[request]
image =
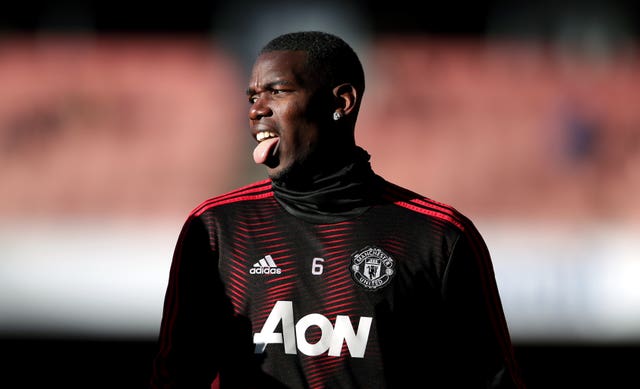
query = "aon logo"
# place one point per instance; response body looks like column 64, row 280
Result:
column 293, row 336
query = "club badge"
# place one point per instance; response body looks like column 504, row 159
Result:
column 372, row 268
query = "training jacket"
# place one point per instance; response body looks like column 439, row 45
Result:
column 401, row 294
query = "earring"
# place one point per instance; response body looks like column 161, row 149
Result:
column 337, row 115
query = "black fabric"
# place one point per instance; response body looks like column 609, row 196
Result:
column 334, row 196
column 427, row 322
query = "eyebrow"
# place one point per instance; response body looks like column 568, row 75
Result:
column 270, row 85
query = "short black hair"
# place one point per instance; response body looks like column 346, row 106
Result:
column 328, row 56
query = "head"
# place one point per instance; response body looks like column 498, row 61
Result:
column 304, row 92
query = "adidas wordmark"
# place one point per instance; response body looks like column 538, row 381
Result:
column 265, row 266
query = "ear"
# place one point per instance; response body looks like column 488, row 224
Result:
column 346, row 98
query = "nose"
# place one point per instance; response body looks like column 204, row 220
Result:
column 259, row 109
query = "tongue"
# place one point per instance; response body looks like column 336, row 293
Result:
column 264, row 149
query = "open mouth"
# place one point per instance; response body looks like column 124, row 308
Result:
column 267, row 147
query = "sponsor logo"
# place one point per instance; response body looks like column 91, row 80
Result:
column 372, row 268
column 293, row 339
column 265, row 266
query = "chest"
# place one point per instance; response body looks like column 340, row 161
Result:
column 352, row 266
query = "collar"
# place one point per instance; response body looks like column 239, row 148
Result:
column 331, row 197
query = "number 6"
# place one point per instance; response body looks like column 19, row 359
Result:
column 316, row 266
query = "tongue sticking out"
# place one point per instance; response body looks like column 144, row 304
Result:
column 265, row 149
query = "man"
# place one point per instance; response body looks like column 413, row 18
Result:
column 325, row 275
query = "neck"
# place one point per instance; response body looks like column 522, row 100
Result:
column 312, row 172
column 336, row 192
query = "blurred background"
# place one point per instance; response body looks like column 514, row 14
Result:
column 117, row 119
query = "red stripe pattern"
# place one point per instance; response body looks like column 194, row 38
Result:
column 309, row 267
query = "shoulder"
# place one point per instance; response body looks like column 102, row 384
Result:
column 414, row 202
column 255, row 191
column 443, row 217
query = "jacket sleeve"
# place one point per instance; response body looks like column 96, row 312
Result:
column 193, row 313
column 474, row 308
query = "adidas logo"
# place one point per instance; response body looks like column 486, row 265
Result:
column 265, row 266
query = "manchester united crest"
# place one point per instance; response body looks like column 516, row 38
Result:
column 372, row 268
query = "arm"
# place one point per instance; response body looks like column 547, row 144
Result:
column 477, row 318
column 191, row 316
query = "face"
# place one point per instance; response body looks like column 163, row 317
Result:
column 285, row 113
